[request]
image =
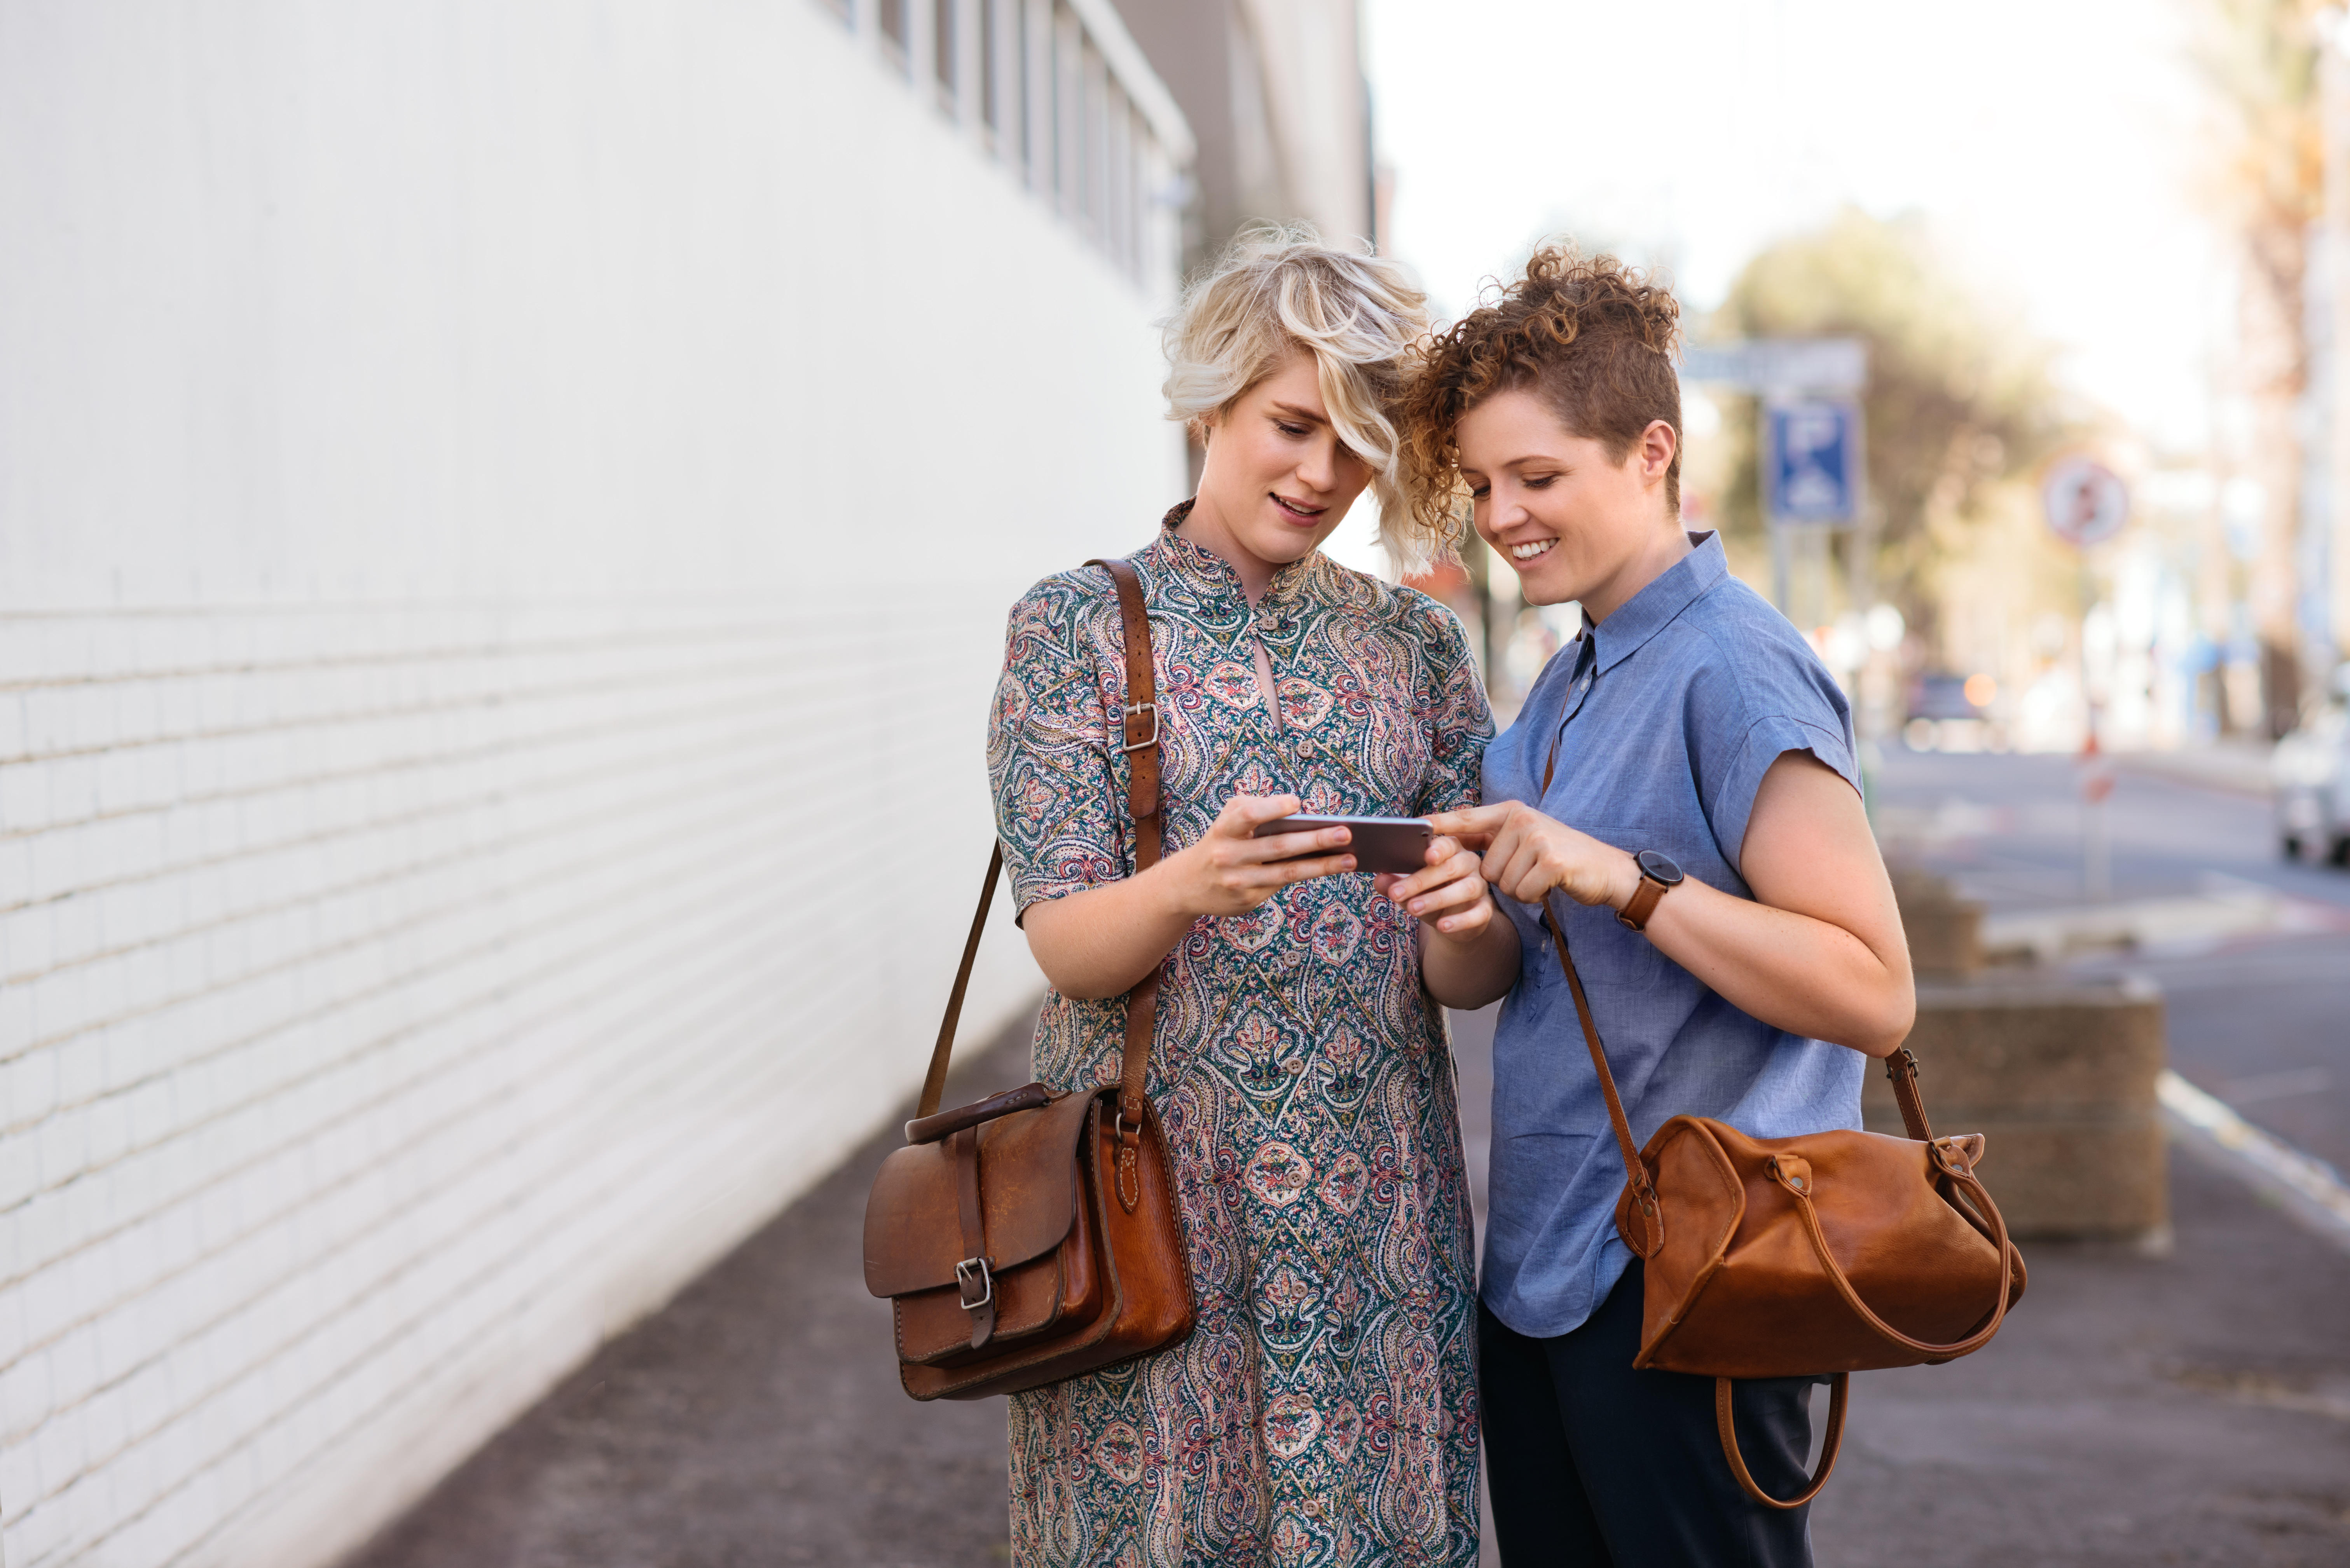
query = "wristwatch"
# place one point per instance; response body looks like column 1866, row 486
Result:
column 1659, row 876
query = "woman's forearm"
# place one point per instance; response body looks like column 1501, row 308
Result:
column 1469, row 974
column 1102, row 941
column 1804, row 975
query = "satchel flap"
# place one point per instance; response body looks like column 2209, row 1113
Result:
column 1027, row 1195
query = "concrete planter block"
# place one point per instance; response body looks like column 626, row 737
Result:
column 2060, row 1080
column 1945, row 930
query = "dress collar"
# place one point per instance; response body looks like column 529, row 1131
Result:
column 1211, row 574
column 1652, row 610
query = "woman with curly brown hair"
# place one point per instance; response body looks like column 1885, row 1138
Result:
column 1324, row 1408
column 1683, row 772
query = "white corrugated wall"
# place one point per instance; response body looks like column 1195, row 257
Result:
column 505, row 520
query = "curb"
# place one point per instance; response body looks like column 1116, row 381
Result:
column 2237, row 771
column 2305, row 1186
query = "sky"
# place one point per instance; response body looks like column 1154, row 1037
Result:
column 2052, row 143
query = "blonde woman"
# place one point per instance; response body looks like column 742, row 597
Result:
column 1324, row 1409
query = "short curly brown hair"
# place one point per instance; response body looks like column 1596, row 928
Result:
column 1592, row 337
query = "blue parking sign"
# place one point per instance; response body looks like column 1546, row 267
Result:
column 1811, row 465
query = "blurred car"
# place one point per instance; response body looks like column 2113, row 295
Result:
column 2311, row 774
column 1941, row 695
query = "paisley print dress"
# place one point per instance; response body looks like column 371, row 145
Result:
column 1324, row 1411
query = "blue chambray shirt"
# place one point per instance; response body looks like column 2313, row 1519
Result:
column 1672, row 711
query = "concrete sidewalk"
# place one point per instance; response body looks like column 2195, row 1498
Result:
column 2193, row 1408
column 754, row 1422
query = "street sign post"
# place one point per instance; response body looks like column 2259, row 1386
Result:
column 2086, row 503
column 1812, row 484
column 1772, row 365
column 1811, row 465
column 1809, row 452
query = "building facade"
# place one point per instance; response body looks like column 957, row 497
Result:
column 506, row 515
column 1274, row 92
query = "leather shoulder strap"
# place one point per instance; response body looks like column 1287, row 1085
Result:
column 1140, row 743
column 934, row 1082
column 1141, row 747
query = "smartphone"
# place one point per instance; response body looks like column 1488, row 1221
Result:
column 1395, row 844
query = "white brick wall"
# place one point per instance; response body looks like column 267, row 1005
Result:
column 505, row 520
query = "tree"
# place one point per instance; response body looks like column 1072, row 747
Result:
column 1960, row 397
column 2265, row 181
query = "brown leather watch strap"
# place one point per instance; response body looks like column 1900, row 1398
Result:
column 1642, row 903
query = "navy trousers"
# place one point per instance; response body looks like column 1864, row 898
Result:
column 1593, row 1465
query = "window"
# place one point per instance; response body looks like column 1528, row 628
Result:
column 991, row 60
column 1032, row 83
column 1069, row 112
column 1036, row 90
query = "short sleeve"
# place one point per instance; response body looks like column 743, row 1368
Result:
column 1461, row 722
column 1058, row 807
column 1767, row 739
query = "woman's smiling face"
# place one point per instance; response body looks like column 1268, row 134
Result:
column 1574, row 522
column 1277, row 478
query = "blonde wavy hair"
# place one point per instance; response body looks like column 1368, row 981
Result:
column 1279, row 290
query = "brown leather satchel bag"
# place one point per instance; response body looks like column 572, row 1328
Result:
column 1033, row 1235
column 1791, row 1257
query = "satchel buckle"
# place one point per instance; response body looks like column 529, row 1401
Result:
column 1645, row 1193
column 968, row 1270
column 1902, row 1063
column 1132, row 710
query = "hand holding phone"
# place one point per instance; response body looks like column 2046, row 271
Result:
column 1396, row 844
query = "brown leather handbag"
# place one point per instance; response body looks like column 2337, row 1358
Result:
column 1032, row 1236
column 1791, row 1257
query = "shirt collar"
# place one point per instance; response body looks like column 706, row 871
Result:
column 1211, row 575
column 1652, row 610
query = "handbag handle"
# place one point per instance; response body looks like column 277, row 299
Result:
column 1141, row 746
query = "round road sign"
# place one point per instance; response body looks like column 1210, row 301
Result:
column 2087, row 502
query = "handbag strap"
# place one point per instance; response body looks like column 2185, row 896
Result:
column 1636, row 1173
column 934, row 1082
column 1726, row 1424
column 1142, row 748
column 1140, row 744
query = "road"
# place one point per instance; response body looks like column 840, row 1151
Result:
column 2260, row 1018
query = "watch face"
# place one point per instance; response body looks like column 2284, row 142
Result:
column 1658, row 868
